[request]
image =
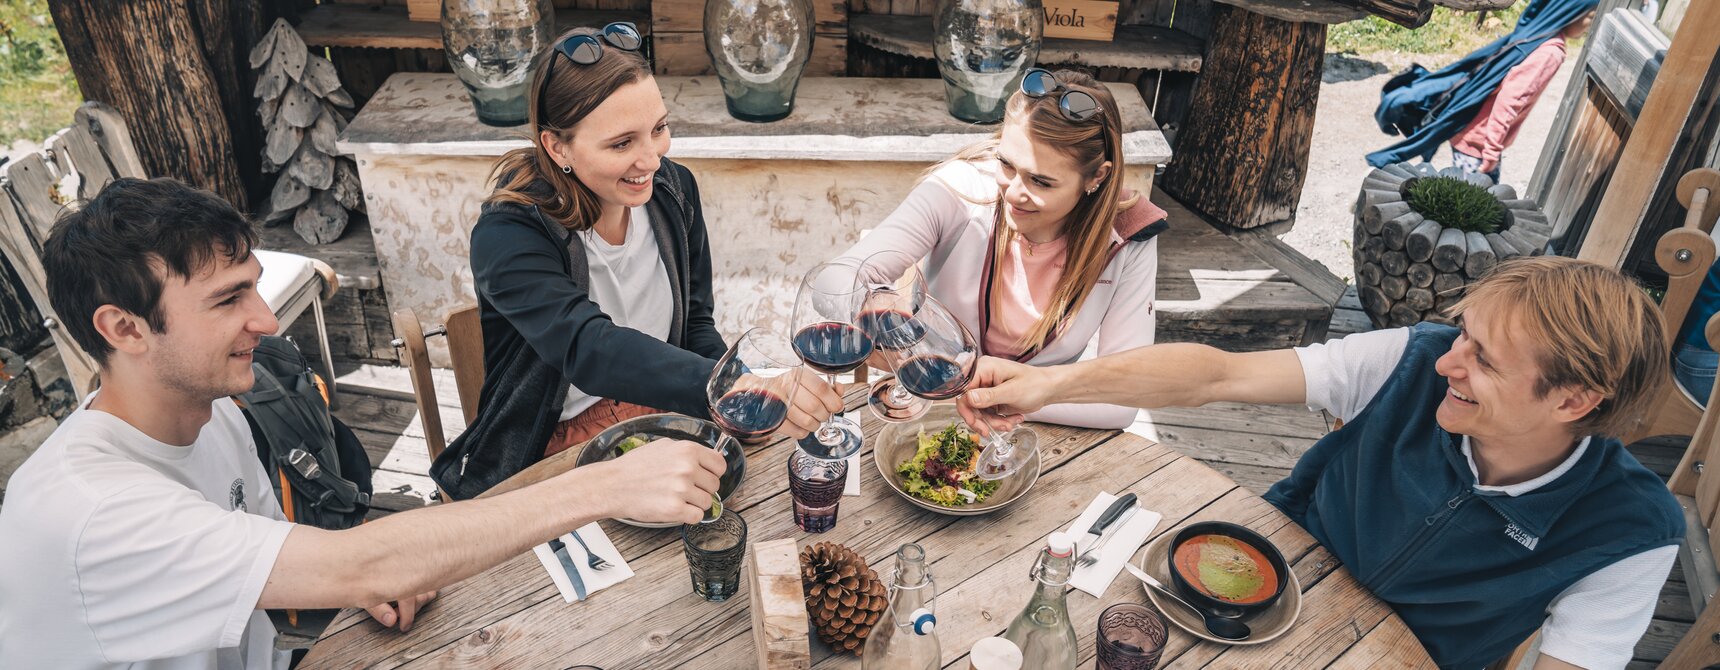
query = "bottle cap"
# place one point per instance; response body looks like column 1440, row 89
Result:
column 925, row 623
column 1060, row 544
column 995, row 653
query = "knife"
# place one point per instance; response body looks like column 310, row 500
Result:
column 1107, row 518
column 567, row 565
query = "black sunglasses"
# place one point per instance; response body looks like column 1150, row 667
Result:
column 585, row 49
column 1077, row 106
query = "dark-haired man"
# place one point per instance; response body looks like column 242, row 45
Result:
column 144, row 533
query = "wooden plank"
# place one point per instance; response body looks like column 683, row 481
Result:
column 778, row 606
column 34, row 185
column 389, row 27
column 86, row 157
column 1388, row 645
column 1547, row 167
column 1306, row 272
column 1286, row 421
column 1663, row 124
column 1144, row 47
column 1305, row 11
column 1257, row 479
column 1272, row 451
column 114, row 136
column 1094, row 20
column 1626, row 57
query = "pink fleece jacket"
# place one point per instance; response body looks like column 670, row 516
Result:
column 947, row 222
column 1495, row 126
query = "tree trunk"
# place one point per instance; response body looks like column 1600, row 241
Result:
column 177, row 71
column 1242, row 154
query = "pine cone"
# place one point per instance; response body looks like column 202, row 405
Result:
column 843, row 596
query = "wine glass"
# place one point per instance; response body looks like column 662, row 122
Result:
column 752, row 386
column 827, row 339
column 894, row 289
column 940, row 366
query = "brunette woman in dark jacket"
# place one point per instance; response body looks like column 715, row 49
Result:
column 593, row 272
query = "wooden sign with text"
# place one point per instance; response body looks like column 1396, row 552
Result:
column 1080, row 19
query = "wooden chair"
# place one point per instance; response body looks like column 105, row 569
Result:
column 1685, row 254
column 75, row 164
column 465, row 348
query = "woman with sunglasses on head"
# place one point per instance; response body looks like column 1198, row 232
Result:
column 1030, row 239
column 592, row 269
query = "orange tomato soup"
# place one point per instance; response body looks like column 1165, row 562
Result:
column 1226, row 568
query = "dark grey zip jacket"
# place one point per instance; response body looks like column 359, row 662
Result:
column 543, row 332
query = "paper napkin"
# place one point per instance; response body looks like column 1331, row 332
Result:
column 1097, row 577
column 594, row 580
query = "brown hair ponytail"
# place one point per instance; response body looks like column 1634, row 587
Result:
column 557, row 106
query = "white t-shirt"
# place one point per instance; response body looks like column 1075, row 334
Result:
column 630, row 284
column 1596, row 622
column 119, row 551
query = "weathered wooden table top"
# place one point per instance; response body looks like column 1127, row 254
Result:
column 512, row 615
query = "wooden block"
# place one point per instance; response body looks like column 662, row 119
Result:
column 1369, row 274
column 1400, row 170
column 1421, row 240
column 1376, row 215
column 1442, row 302
column 1394, row 286
column 1501, row 249
column 779, row 623
column 1503, row 191
column 1373, row 195
column 1094, row 20
column 1374, row 301
column 1424, row 169
column 1418, row 299
column 1451, row 173
column 1481, row 257
column 1385, row 183
column 1420, row 275
column 1396, row 230
column 424, row 10
column 1449, row 254
column 1446, row 283
column 1522, row 243
column 1520, row 203
column 1401, row 315
column 1394, row 262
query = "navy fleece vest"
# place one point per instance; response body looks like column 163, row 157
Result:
column 1472, row 574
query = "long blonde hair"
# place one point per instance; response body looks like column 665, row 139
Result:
column 1090, row 143
column 572, row 92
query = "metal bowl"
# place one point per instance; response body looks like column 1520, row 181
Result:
column 677, row 427
column 897, row 443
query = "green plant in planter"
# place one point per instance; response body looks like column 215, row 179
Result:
column 1456, row 204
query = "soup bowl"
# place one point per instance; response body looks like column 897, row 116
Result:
column 1185, row 583
column 607, row 445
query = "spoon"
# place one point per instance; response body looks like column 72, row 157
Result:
column 1229, row 629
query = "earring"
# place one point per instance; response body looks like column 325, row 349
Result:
column 568, row 169
column 1091, row 189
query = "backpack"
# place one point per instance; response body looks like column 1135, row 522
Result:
column 319, row 469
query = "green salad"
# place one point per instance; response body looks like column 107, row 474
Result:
column 942, row 469
column 632, row 442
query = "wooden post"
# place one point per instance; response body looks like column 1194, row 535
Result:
column 1662, row 125
column 779, row 626
column 1242, row 154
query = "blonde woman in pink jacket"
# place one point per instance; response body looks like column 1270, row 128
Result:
column 1030, row 239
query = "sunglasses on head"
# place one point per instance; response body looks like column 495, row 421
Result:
column 1075, row 105
column 586, row 49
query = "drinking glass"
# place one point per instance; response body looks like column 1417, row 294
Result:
column 714, row 553
column 1131, row 637
column 940, row 365
column 827, row 339
column 815, row 485
column 894, row 289
column 752, row 386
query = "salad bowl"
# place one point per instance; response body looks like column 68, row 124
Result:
column 898, row 443
column 616, row 439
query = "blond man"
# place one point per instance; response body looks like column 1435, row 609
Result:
column 1474, row 485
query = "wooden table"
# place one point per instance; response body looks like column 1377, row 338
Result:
column 512, row 616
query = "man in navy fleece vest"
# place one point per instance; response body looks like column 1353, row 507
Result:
column 1475, row 485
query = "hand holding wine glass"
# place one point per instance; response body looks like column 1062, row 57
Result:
column 1001, row 394
column 753, row 386
column 827, row 339
column 895, row 289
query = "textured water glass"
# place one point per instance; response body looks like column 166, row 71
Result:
column 816, row 486
column 714, row 553
column 1131, row 637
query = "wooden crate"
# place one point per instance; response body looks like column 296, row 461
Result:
column 678, row 40
column 424, row 10
column 1081, row 19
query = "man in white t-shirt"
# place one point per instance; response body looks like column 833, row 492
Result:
column 144, row 534
column 1474, row 485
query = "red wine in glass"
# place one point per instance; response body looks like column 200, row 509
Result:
column 832, row 347
column 749, row 414
column 890, row 329
column 934, row 377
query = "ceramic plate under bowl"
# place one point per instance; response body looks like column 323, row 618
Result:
column 673, row 426
column 1264, row 627
column 897, row 443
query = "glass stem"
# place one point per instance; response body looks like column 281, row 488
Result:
column 828, row 433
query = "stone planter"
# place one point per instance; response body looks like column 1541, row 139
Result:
column 1410, row 268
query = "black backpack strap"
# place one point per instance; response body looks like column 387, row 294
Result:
column 271, row 403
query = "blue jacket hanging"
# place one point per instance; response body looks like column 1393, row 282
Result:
column 1428, row 108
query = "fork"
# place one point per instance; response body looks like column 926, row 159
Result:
column 591, row 557
column 1091, row 555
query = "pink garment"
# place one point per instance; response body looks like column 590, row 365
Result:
column 1495, row 126
column 1029, row 279
column 946, row 222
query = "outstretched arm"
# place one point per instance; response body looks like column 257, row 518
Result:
column 1162, row 375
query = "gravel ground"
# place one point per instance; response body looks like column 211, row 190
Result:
column 1344, row 131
